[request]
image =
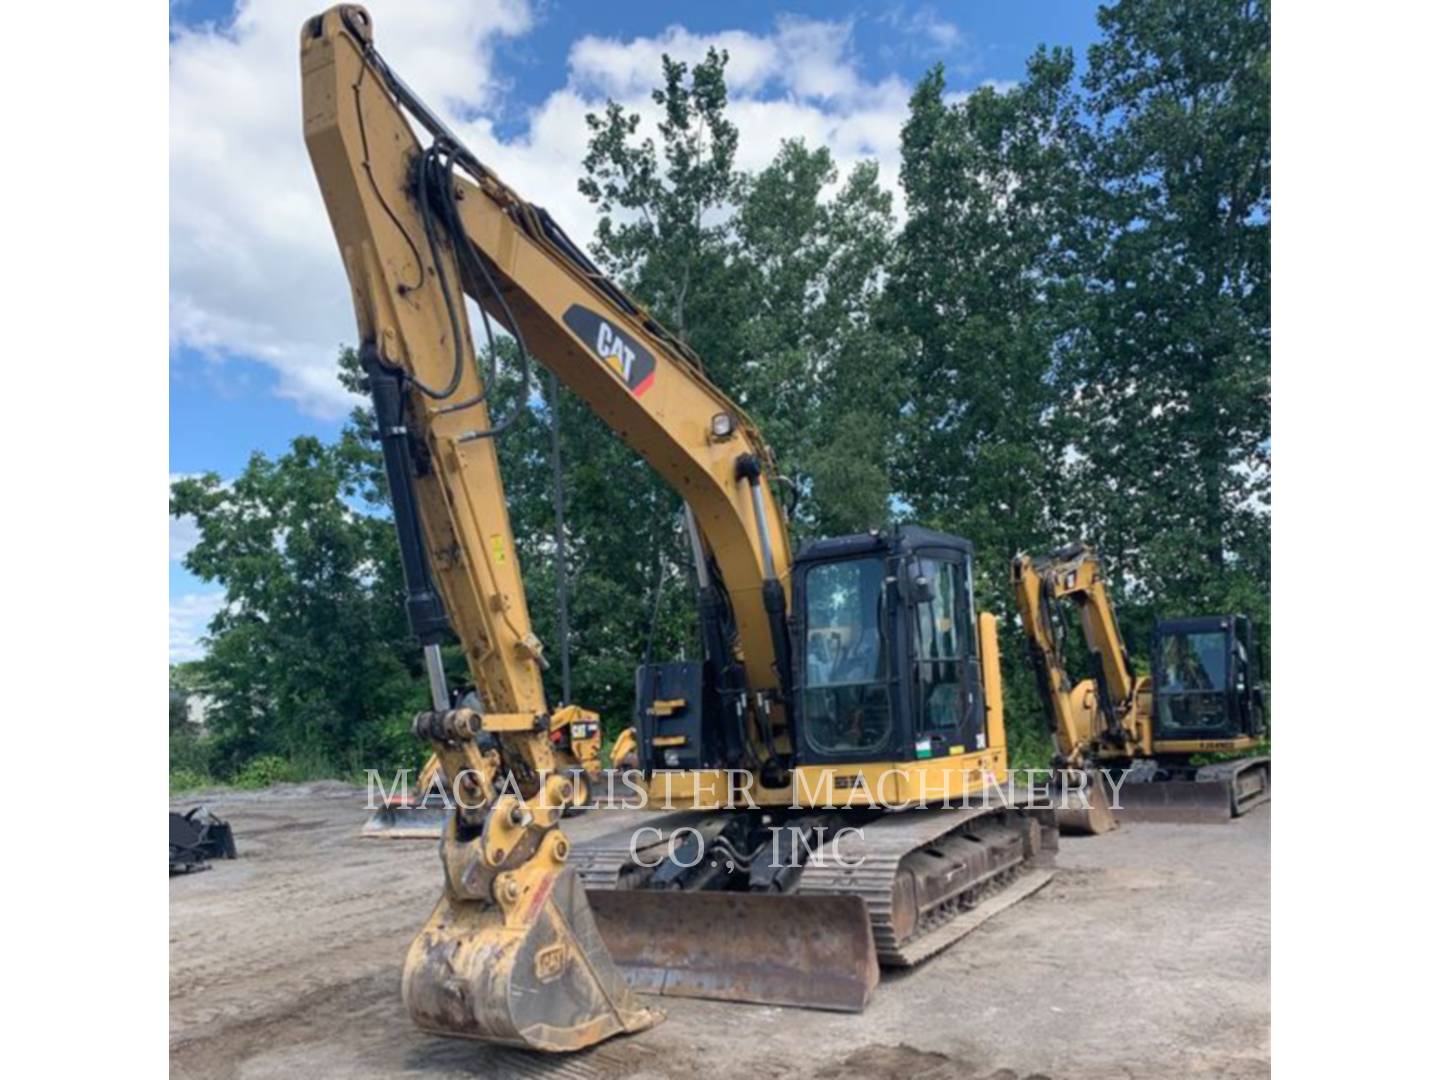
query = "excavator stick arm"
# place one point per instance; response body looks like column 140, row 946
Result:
column 511, row 953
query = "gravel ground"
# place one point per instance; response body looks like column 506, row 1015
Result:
column 1148, row 955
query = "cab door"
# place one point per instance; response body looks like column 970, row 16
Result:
column 948, row 703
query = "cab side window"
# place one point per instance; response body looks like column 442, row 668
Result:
column 940, row 648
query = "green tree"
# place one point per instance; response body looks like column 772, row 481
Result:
column 1067, row 339
column 189, row 759
column 310, row 658
column 663, row 234
column 663, row 231
column 772, row 284
column 816, row 371
column 983, row 292
column 983, row 285
column 620, row 525
column 1170, row 414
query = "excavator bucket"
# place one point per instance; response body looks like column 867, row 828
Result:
column 1084, row 813
column 816, row 952
column 1082, row 807
column 542, row 981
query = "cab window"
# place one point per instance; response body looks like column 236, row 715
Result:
column 846, row 697
column 940, row 648
column 1190, row 684
column 1193, row 662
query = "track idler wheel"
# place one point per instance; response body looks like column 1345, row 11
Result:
column 536, row 975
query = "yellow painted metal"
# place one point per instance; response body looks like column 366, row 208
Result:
column 1075, row 574
column 1207, row 746
column 1082, row 736
column 994, row 687
column 522, row 972
column 362, row 146
column 1084, row 810
column 358, row 143
column 428, row 773
column 584, row 753
column 890, row 784
column 510, row 954
column 512, row 722
column 955, row 777
column 625, row 752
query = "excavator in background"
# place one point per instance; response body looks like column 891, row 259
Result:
column 1124, row 743
column 837, row 685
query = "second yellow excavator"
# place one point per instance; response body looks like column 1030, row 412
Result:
column 832, row 760
column 1125, row 743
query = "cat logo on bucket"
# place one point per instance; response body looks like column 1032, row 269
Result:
column 550, row 962
column 622, row 354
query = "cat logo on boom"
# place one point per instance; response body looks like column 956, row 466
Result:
column 622, row 354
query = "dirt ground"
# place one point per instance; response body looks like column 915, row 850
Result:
column 1148, row 955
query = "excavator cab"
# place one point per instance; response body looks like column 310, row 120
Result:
column 887, row 663
column 1204, row 679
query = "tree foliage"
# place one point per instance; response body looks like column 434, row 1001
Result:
column 1169, row 375
column 1064, row 335
column 310, row 658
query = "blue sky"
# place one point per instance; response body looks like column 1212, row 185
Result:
column 258, row 300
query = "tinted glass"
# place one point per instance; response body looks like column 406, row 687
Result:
column 847, row 704
column 940, row 648
column 1190, row 684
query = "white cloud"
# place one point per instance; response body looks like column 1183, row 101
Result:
column 253, row 266
column 940, row 32
column 184, row 535
column 254, row 270
column 930, row 34
column 190, row 615
column 806, row 58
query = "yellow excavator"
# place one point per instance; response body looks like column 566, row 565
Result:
column 1125, row 743
column 838, row 686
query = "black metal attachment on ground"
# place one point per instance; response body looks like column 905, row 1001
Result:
column 196, row 837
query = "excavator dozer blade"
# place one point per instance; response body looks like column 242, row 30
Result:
column 815, row 952
column 1218, row 793
column 1179, row 802
column 408, row 817
column 542, row 981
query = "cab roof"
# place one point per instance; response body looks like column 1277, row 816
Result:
column 901, row 540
